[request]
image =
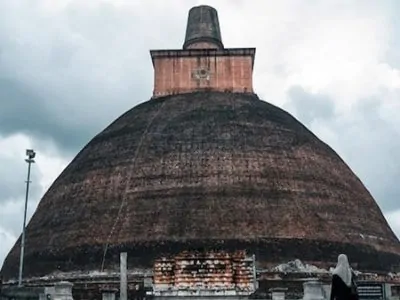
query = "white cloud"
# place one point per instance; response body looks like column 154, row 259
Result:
column 50, row 165
column 394, row 220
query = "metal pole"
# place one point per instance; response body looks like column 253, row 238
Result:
column 254, row 272
column 30, row 160
column 123, row 291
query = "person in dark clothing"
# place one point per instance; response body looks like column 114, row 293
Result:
column 343, row 283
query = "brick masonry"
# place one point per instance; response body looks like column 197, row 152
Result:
column 186, row 71
column 205, row 171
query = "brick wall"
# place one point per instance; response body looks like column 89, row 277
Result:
column 185, row 71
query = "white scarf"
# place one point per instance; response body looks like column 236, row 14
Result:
column 343, row 269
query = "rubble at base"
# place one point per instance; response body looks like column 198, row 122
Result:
column 297, row 266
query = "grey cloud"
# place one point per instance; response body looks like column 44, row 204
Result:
column 364, row 139
column 66, row 77
column 22, row 110
column 310, row 107
column 376, row 154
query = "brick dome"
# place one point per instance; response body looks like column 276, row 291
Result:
column 206, row 170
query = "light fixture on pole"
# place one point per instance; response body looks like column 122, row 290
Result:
column 31, row 155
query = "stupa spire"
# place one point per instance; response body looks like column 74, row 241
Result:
column 204, row 64
column 203, row 29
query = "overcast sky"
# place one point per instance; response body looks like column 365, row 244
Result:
column 70, row 67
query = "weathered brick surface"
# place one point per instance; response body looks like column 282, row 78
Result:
column 205, row 170
column 180, row 71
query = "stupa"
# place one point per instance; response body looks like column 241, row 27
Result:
column 203, row 171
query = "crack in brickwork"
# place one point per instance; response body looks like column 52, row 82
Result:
column 133, row 163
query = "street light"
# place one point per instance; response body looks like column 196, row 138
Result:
column 31, row 155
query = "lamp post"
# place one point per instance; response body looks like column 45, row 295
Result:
column 31, row 155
